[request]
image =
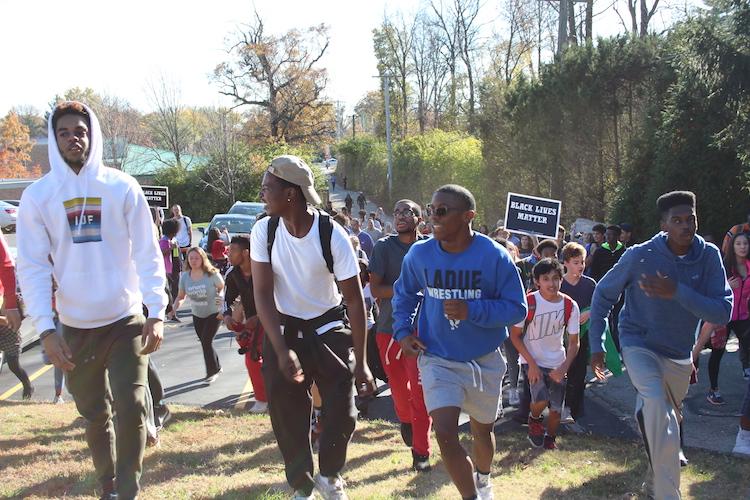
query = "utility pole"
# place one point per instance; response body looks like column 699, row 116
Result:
column 386, row 83
column 354, row 127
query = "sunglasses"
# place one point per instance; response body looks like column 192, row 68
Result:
column 404, row 213
column 441, row 211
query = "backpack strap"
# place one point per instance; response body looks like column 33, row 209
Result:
column 273, row 225
column 325, row 229
column 568, row 309
column 531, row 300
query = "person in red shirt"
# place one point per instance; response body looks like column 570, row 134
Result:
column 10, row 322
column 218, row 248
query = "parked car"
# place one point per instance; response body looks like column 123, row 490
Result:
column 13, row 202
column 8, row 216
column 247, row 208
column 236, row 224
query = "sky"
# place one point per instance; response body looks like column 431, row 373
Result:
column 118, row 47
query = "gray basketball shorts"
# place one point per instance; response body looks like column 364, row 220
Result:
column 546, row 389
column 474, row 386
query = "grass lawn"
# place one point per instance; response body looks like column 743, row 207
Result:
column 210, row 454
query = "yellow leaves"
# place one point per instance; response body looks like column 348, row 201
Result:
column 15, row 149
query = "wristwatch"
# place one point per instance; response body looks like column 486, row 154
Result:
column 47, row 333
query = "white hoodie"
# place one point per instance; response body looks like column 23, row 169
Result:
column 106, row 263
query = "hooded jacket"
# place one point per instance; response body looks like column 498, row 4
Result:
column 95, row 226
column 665, row 326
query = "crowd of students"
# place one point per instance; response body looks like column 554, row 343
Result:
column 456, row 310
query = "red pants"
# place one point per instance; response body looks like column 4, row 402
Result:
column 406, row 391
column 256, row 377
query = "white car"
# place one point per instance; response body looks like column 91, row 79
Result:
column 247, row 208
column 235, row 224
column 8, row 216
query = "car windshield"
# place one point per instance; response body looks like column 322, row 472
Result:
column 234, row 224
column 247, row 209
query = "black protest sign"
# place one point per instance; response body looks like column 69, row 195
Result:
column 156, row 196
column 532, row 215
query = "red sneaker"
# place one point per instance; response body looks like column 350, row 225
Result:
column 549, row 443
column 536, row 431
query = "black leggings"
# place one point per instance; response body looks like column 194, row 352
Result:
column 741, row 328
column 15, row 367
column 206, row 329
column 714, row 362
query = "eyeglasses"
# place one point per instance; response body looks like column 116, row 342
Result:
column 441, row 211
column 404, row 213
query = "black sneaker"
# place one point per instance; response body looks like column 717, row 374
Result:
column 536, row 431
column 406, row 433
column 28, row 391
column 683, row 459
column 420, row 463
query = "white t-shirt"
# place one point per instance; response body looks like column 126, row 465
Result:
column 302, row 286
column 183, row 231
column 544, row 336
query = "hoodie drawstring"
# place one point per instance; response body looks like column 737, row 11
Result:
column 83, row 206
column 472, row 365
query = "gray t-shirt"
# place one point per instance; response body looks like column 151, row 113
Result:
column 387, row 256
column 202, row 293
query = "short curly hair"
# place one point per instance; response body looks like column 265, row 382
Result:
column 70, row 108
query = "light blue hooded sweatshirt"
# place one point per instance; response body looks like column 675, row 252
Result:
column 667, row 327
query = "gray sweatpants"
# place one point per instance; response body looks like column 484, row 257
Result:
column 661, row 384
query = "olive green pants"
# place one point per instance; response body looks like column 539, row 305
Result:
column 110, row 372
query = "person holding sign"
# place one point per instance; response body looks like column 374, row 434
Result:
column 472, row 293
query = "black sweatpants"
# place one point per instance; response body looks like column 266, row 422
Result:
column 328, row 360
column 206, row 329
column 577, row 379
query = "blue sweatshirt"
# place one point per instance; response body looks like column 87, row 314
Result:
column 483, row 275
column 666, row 327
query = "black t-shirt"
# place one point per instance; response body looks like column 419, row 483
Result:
column 581, row 293
column 387, row 256
column 239, row 286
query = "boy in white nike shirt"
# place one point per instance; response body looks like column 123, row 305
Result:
column 539, row 340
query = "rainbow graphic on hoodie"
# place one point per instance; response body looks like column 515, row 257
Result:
column 85, row 220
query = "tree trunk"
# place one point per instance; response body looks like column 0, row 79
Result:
column 615, row 122
column 589, row 20
column 572, row 39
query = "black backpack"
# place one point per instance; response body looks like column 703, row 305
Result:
column 325, row 230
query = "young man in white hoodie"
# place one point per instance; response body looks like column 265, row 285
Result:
column 71, row 226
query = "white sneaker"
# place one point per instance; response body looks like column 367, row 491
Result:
column 483, row 485
column 742, row 444
column 566, row 417
column 330, row 488
column 58, row 400
column 259, row 407
column 513, row 398
column 300, row 495
column 212, row 378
